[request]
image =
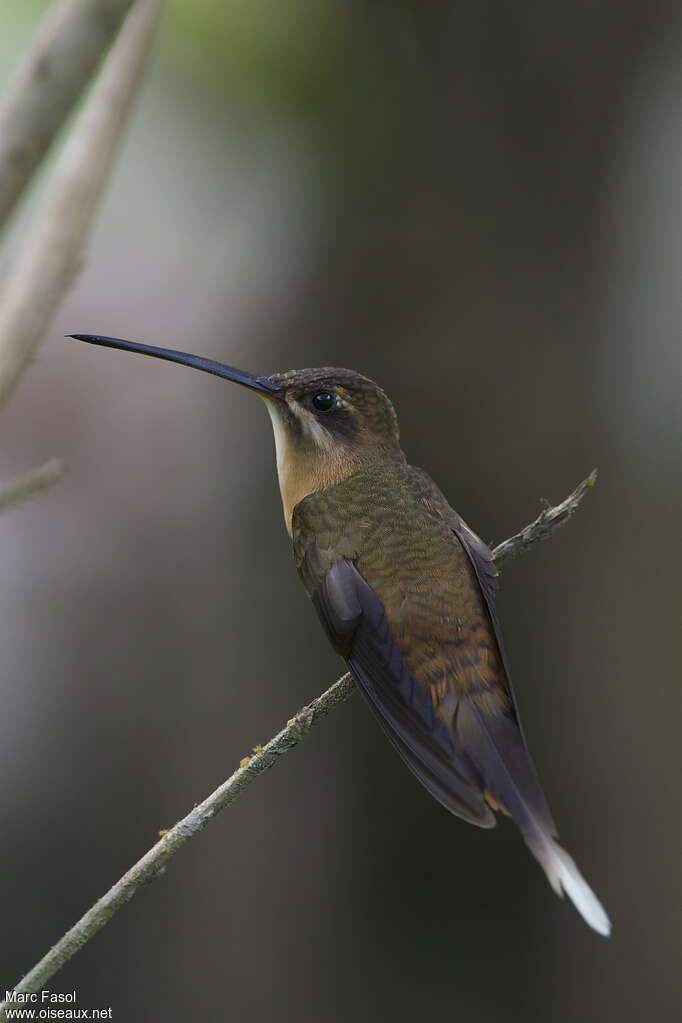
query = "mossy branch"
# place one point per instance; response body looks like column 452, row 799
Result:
column 152, row 863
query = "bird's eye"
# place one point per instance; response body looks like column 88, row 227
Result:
column 323, row 401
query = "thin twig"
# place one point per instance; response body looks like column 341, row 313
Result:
column 52, row 252
column 152, row 863
column 46, row 83
column 30, row 483
column 549, row 519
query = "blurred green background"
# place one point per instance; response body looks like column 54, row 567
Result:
column 480, row 206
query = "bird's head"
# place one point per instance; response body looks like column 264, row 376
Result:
column 322, row 409
column 328, row 423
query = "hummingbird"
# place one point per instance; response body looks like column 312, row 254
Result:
column 405, row 592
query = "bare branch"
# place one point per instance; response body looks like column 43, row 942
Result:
column 46, row 83
column 549, row 519
column 52, row 252
column 152, row 863
column 30, row 483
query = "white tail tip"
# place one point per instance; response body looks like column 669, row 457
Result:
column 564, row 876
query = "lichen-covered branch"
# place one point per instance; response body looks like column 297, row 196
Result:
column 52, row 251
column 30, row 483
column 149, row 867
column 46, row 83
column 262, row 758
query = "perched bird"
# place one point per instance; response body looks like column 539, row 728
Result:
column 405, row 592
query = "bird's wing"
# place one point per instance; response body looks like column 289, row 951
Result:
column 355, row 621
column 483, row 564
column 492, row 733
column 494, row 741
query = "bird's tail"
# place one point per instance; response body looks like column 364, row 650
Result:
column 496, row 748
column 564, row 877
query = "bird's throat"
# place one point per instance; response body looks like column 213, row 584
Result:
column 307, row 466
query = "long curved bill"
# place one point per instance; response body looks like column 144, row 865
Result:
column 238, row 376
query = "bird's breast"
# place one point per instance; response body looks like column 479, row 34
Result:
column 396, row 531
